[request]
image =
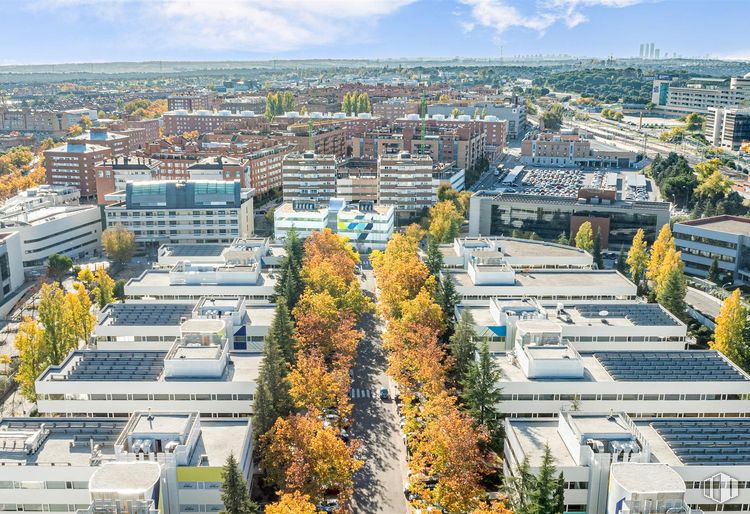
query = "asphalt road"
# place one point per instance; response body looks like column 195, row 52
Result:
column 703, row 302
column 379, row 484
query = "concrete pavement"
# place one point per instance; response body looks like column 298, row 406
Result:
column 379, row 484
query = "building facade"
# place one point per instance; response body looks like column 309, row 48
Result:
column 406, row 182
column 727, row 128
column 74, row 164
column 309, row 176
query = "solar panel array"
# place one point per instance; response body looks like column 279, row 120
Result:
column 118, row 366
column 684, row 366
column 152, row 314
column 187, row 250
column 707, row 441
column 642, row 314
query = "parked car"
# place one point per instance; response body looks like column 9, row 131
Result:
column 384, row 393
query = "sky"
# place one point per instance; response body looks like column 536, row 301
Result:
column 60, row 31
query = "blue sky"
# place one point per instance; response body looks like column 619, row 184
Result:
column 54, row 31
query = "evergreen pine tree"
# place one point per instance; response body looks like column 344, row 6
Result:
column 562, row 239
column 558, row 503
column 597, row 251
column 294, row 247
column 622, row 265
column 234, row 492
column 481, row 393
column 546, row 483
column 447, row 297
column 289, row 285
column 272, row 388
column 713, row 272
column 462, row 344
column 282, row 329
column 672, row 295
column 433, row 258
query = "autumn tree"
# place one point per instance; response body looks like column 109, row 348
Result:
column 445, row 222
column 313, row 386
column 77, row 307
column 731, row 330
column 104, row 287
column 32, row 356
column 292, row 503
column 637, row 260
column 671, row 295
column 118, row 243
column 400, row 273
column 663, row 243
column 302, row 455
column 584, row 239
column 59, row 333
column 235, row 494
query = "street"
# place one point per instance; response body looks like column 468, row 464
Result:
column 379, row 485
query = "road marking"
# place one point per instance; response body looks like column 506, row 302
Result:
column 361, row 393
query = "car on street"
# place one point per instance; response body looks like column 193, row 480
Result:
column 384, row 393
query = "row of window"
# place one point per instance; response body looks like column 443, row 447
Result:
column 146, row 397
column 42, row 507
column 621, row 397
column 34, row 484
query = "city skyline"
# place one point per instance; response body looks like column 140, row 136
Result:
column 136, row 30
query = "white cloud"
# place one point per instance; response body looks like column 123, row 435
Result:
column 251, row 25
column 500, row 15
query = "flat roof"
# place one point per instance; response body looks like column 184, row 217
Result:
column 647, row 478
column 661, row 366
column 67, row 443
column 45, row 214
column 195, row 250
column 260, row 315
column 729, row 224
column 160, row 278
column 598, row 279
column 514, row 248
column 218, row 439
column 704, row 441
column 125, row 477
column 532, row 436
column 161, row 423
column 618, row 314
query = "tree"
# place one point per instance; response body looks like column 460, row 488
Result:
column 663, row 243
column 433, row 258
column 59, row 333
column 282, row 330
column 292, row 503
column 552, row 118
column 289, row 285
column 455, row 112
column 271, row 105
column 543, row 495
column 118, row 243
column 597, row 250
column 445, row 222
column 58, row 265
column 558, row 499
column 562, row 239
column 313, row 386
column 583, row 237
column 482, row 394
column 622, row 265
column 288, row 101
column 672, row 293
column 637, row 257
column 78, row 311
column 32, row 356
column 713, row 272
column 694, row 122
column 463, row 344
column 104, row 291
column 272, row 398
column 730, row 332
column 234, row 492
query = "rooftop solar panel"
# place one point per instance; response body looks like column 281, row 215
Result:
column 658, row 366
column 707, row 441
column 156, row 314
column 118, row 366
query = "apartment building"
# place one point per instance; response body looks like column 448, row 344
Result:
column 43, row 122
column 220, row 167
column 329, row 137
column 238, row 104
column 199, row 211
column 147, row 462
column 701, row 94
column 50, row 220
column 266, row 167
column 394, row 108
column 357, row 180
column 173, row 165
column 73, row 164
column 727, row 128
column 572, row 149
column 139, row 132
column 309, row 176
column 405, row 181
column 202, row 121
column 190, row 102
column 493, row 129
column 612, row 463
column 724, row 239
column 113, row 174
column 101, row 136
column 512, row 111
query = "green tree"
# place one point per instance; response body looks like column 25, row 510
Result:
column 58, row 265
column 562, row 239
column 543, row 494
column 622, row 265
column 289, row 285
column 119, row 290
column 462, row 344
column 288, row 101
column 584, row 239
column 552, row 118
column 447, row 297
column 234, row 492
column 637, row 257
column 271, row 106
column 694, row 122
column 272, row 398
column 730, row 333
column 455, row 112
column 282, row 329
column 558, row 503
column 713, row 272
column 672, row 293
column 481, row 393
column 597, row 250
column 433, row 257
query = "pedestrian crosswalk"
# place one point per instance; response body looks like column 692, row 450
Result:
column 361, row 393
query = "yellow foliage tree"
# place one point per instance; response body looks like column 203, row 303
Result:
column 445, row 221
column 729, row 335
column 664, row 242
column 32, row 354
column 637, row 259
column 672, row 261
column 585, row 237
column 118, row 243
column 293, row 503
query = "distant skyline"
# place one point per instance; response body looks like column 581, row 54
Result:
column 64, row 31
